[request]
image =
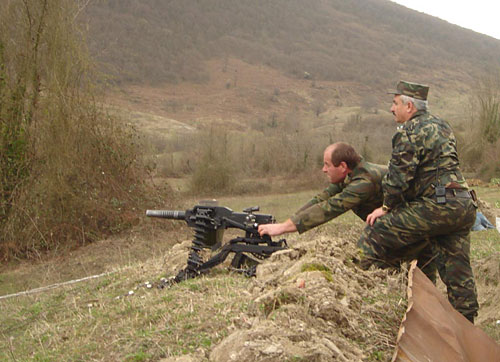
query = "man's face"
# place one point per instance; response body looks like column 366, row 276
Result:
column 400, row 111
column 335, row 174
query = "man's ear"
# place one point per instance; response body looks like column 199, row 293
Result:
column 344, row 166
column 410, row 107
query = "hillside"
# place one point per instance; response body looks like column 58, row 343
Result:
column 373, row 42
column 243, row 92
column 281, row 78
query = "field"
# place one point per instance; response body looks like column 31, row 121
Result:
column 245, row 111
column 342, row 311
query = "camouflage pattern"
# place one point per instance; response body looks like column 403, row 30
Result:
column 424, row 156
column 427, row 261
column 360, row 192
column 425, row 225
column 414, row 90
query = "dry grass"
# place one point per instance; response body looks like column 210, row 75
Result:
column 98, row 320
column 70, row 173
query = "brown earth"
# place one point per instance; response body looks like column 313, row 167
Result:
column 311, row 302
column 239, row 93
column 315, row 305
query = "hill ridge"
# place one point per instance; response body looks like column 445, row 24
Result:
column 373, row 42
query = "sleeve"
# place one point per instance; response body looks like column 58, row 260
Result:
column 354, row 194
column 402, row 168
column 331, row 190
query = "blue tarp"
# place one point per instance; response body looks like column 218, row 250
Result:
column 481, row 223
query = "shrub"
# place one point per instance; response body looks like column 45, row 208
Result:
column 212, row 176
column 481, row 142
column 70, row 173
column 212, row 172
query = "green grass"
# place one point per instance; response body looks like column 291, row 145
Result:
column 89, row 321
column 327, row 273
column 95, row 320
column 485, row 243
column 490, row 194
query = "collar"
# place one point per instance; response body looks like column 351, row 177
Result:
column 353, row 172
column 417, row 114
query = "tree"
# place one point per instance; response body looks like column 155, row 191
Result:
column 481, row 146
column 67, row 168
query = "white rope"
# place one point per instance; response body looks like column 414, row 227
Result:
column 53, row 286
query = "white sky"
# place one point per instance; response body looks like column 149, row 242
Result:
column 482, row 16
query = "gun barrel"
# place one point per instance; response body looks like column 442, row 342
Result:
column 167, row 214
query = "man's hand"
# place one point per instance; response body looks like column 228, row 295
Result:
column 370, row 219
column 277, row 229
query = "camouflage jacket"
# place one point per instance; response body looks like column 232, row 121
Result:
column 424, row 155
column 361, row 191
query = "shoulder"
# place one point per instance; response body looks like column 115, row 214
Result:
column 423, row 129
column 375, row 168
column 433, row 131
column 368, row 171
column 424, row 122
column 368, row 168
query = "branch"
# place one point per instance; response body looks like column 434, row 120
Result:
column 80, row 8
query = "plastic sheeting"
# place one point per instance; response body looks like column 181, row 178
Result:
column 481, row 223
column 432, row 330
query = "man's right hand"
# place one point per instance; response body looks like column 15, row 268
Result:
column 277, row 229
column 370, row 219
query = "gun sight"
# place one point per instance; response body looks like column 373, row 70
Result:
column 251, row 209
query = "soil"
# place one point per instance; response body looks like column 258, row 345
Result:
column 313, row 304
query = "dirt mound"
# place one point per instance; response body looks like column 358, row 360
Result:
column 312, row 303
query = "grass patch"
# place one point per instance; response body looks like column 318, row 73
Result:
column 97, row 320
column 485, row 243
column 327, row 273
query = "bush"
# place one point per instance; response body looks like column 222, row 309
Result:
column 212, row 176
column 70, row 173
column 480, row 149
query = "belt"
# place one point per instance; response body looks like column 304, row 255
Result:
column 463, row 194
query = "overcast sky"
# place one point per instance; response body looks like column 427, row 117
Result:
column 482, row 16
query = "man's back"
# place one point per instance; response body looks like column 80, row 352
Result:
column 369, row 189
column 424, row 156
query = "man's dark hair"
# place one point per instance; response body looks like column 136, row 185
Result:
column 345, row 152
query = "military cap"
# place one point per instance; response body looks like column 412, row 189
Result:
column 414, row 90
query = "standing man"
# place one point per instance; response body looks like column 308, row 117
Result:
column 426, row 200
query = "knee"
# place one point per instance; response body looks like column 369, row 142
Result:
column 369, row 254
column 368, row 245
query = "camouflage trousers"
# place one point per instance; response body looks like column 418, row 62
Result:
column 435, row 234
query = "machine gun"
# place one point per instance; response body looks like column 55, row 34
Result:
column 209, row 222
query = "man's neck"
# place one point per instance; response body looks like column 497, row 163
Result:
column 416, row 114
